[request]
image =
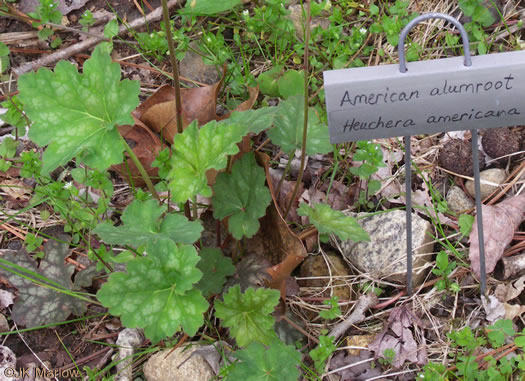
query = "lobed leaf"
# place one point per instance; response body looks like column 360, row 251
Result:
column 330, row 221
column 195, row 151
column 288, row 131
column 76, row 114
column 277, row 362
column 242, row 196
column 142, row 224
column 248, row 315
column 37, row 305
column 215, row 268
column 156, row 293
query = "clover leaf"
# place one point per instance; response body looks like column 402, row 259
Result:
column 248, row 315
column 195, row 151
column 142, row 224
column 156, row 293
column 37, row 304
column 242, row 196
column 277, row 362
column 330, row 221
column 76, row 114
column 215, row 268
column 288, row 130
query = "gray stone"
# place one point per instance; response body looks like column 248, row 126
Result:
column 458, row 201
column 384, row 257
column 192, row 66
column 296, row 15
column 493, row 175
column 161, row 366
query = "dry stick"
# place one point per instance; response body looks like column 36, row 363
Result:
column 305, row 124
column 358, row 314
column 82, row 46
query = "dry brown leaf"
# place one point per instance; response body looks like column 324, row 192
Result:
column 499, row 224
column 282, row 247
column 404, row 334
column 158, row 112
column 146, row 145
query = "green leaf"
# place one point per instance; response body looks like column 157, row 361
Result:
column 77, row 114
column 288, row 130
column 254, row 121
column 248, row 315
column 291, row 83
column 277, row 362
column 37, row 305
column 4, row 50
column 242, row 196
column 197, row 150
column 465, row 222
column 8, row 147
column 322, row 352
column 208, row 7
column 215, row 268
column 268, row 81
column 111, row 29
column 142, row 224
column 330, row 221
column 13, row 116
column 442, row 261
column 497, row 332
column 157, row 293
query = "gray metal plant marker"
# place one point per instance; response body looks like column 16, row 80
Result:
column 441, row 95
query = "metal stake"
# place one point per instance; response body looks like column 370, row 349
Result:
column 479, row 216
column 408, row 197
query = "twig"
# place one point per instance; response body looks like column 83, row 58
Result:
column 81, row 46
column 358, row 314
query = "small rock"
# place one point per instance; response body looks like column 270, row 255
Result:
column 4, row 325
column 161, row 366
column 296, row 15
column 493, row 175
column 7, row 364
column 384, row 257
column 458, row 201
column 192, row 66
column 315, row 266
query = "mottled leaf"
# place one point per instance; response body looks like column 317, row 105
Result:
column 36, row 304
column 157, row 292
column 330, row 221
column 208, row 7
column 77, row 114
column 215, row 268
column 197, row 150
column 142, row 224
column 248, row 315
column 288, row 130
column 242, row 196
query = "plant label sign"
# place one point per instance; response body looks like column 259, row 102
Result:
column 430, row 97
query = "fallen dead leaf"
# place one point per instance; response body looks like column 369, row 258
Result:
column 158, row 112
column 146, row 145
column 404, row 334
column 499, row 224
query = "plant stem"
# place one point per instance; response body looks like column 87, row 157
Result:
column 285, row 172
column 141, row 169
column 174, row 65
column 305, row 124
column 194, row 208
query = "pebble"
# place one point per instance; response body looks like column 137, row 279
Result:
column 458, row 201
column 493, row 175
